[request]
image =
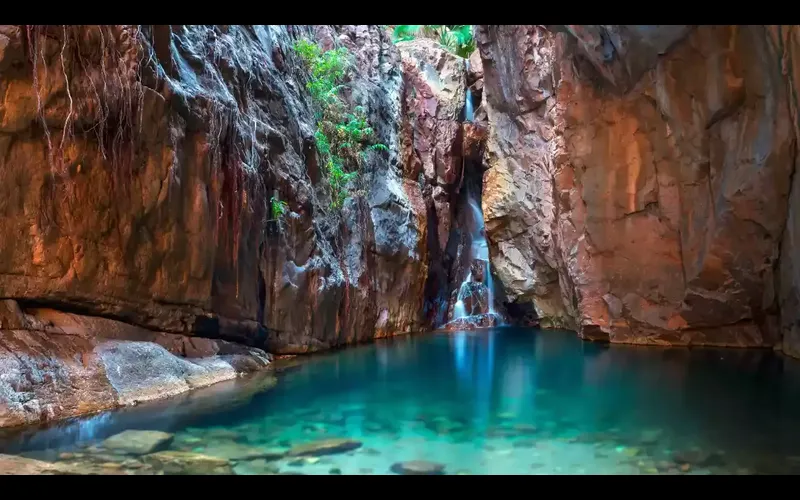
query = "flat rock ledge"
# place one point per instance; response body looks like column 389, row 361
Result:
column 56, row 365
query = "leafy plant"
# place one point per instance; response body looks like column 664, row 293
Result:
column 456, row 38
column 278, row 208
column 343, row 136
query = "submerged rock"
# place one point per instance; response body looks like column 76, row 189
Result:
column 698, row 457
column 135, row 442
column 237, row 452
column 184, row 462
column 418, row 468
column 256, row 468
column 324, row 447
column 16, row 465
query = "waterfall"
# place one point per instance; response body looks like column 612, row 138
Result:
column 469, row 112
column 459, row 311
column 480, row 249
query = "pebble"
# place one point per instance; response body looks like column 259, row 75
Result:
column 336, row 471
column 685, row 467
column 418, row 467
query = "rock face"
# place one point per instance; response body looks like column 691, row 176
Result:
column 639, row 179
column 137, row 164
column 56, row 365
column 166, row 224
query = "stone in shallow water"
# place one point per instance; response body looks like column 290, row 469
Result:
column 138, row 442
column 324, row 447
column 698, row 457
column 257, row 467
column 184, row 462
column 235, row 451
column 12, row 464
column 650, row 436
column 418, row 468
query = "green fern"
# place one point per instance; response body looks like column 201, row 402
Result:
column 278, row 208
column 343, row 135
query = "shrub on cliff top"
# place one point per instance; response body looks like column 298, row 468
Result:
column 456, row 38
column 343, row 136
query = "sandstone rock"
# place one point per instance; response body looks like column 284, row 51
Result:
column 324, row 447
column 418, row 468
column 43, row 381
column 135, row 442
column 133, row 242
column 626, row 206
column 183, row 463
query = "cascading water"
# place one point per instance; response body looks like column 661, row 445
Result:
column 480, row 249
column 475, row 297
column 469, row 112
column 473, row 303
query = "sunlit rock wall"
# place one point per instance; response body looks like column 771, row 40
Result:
column 639, row 179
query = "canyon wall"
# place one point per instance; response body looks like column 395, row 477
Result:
column 137, row 165
column 639, row 182
column 637, row 187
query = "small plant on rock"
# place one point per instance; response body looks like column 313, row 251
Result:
column 277, row 208
column 456, row 38
column 344, row 136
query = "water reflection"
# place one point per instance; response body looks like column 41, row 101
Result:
column 487, row 400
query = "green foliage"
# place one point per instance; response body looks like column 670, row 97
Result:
column 456, row 38
column 278, row 208
column 343, row 135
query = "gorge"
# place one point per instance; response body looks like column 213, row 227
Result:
column 184, row 204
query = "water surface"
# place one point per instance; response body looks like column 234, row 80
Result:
column 502, row 401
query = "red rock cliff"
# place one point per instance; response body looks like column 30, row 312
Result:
column 639, row 182
column 136, row 169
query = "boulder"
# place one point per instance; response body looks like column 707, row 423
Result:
column 136, row 442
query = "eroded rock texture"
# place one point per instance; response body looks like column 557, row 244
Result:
column 55, row 365
column 146, row 196
column 639, row 179
column 137, row 166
